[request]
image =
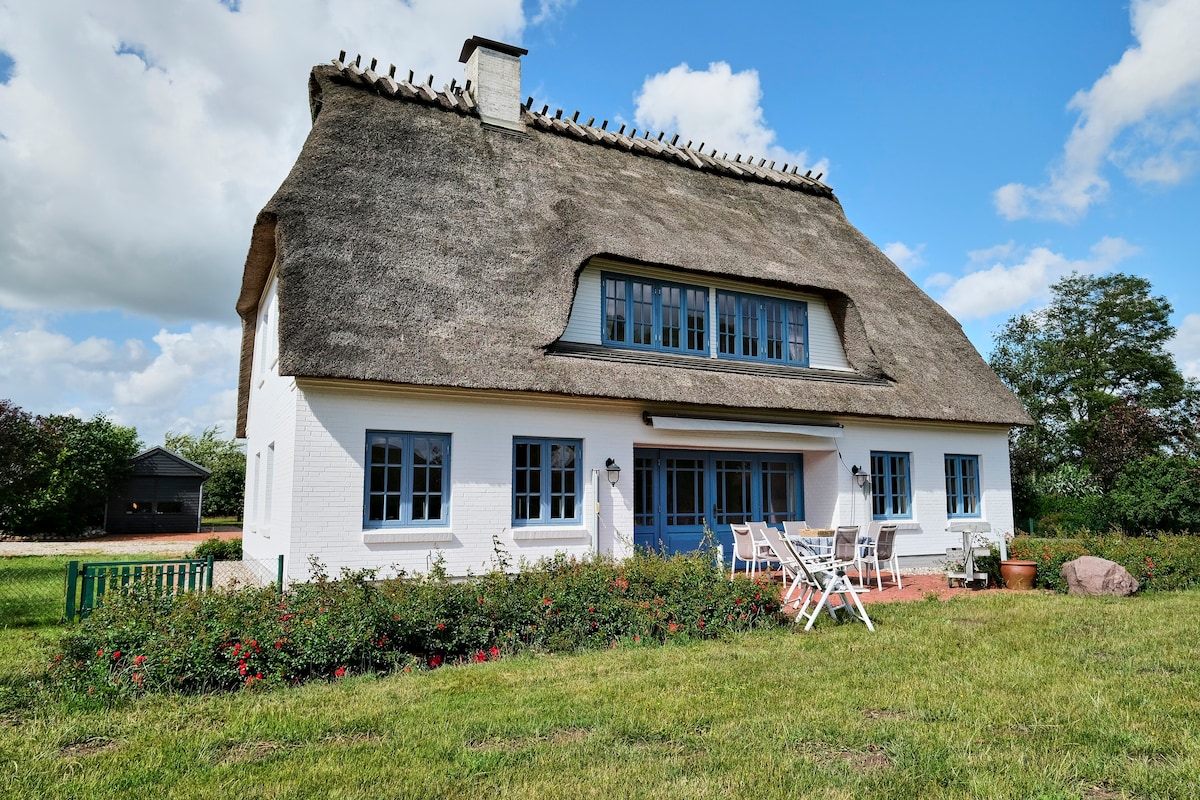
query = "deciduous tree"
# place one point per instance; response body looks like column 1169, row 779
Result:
column 224, row 492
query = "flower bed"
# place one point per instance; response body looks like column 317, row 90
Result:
column 1167, row 562
column 140, row 640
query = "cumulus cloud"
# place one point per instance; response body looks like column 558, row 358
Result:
column 138, row 140
column 718, row 107
column 1186, row 346
column 1141, row 115
column 905, row 257
column 1018, row 277
column 185, row 382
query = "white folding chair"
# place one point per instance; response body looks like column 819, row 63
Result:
column 815, row 584
column 880, row 552
column 780, row 549
column 747, row 550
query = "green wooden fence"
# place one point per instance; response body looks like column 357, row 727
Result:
column 87, row 582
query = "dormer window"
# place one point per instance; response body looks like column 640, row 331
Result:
column 759, row 328
column 655, row 315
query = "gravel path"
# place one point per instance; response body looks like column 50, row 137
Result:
column 174, row 544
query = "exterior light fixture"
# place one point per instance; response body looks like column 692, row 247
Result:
column 860, row 475
column 614, row 472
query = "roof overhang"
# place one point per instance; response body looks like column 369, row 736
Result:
column 812, row 432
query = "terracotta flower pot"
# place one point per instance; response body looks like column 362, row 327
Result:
column 1018, row 574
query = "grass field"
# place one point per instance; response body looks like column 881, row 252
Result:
column 1001, row 696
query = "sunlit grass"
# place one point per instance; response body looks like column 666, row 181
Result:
column 1021, row 696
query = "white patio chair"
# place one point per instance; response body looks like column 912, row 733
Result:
column 816, row 582
column 780, row 550
column 882, row 551
column 748, row 550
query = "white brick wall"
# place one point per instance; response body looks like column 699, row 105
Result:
column 321, row 472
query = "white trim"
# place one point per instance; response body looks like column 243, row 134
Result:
column 391, row 536
column 743, row 426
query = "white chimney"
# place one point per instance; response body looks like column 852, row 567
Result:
column 494, row 70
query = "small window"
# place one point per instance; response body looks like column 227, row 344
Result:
column 407, row 479
column 655, row 315
column 757, row 328
column 891, row 486
column 962, row 486
column 546, row 481
column 139, row 507
column 170, row 507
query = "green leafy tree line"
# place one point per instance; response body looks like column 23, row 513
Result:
column 56, row 471
column 224, row 492
column 1115, row 433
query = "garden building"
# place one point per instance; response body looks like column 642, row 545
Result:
column 161, row 495
column 470, row 323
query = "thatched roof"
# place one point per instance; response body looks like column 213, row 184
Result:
column 416, row 246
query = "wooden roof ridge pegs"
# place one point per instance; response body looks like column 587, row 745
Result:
column 575, row 116
column 660, row 135
column 374, row 61
column 545, row 110
column 430, row 81
column 795, row 169
column 762, row 161
column 674, row 139
column 632, row 131
column 785, row 166
column 604, row 125
column 591, row 120
column 819, row 174
column 808, row 174
column 392, row 72
column 646, row 134
column 723, row 155
column 558, row 114
column 467, row 86
column 453, row 83
column 342, row 56
column 772, row 165
column 528, row 102
column 737, row 158
column 410, row 76
column 358, row 60
column 688, row 146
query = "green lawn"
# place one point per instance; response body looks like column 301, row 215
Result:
column 995, row 696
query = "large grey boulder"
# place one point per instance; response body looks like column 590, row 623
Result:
column 1097, row 576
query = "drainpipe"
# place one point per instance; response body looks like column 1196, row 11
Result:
column 594, row 533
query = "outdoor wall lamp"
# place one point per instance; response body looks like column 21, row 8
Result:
column 614, row 472
column 860, row 476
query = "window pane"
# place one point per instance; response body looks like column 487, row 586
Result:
column 726, row 324
column 376, row 507
column 749, row 321
column 697, row 308
column 773, row 346
column 643, row 491
column 779, row 497
column 614, row 309
column 733, row 492
column 392, row 507
column 394, row 476
column 795, row 328
column 643, row 312
column 672, row 308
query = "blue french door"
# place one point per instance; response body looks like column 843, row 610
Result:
column 677, row 492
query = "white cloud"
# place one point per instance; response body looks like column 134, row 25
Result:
column 905, row 257
column 1150, row 100
column 1008, row 286
column 717, row 107
column 187, row 385
column 1186, row 346
column 138, row 140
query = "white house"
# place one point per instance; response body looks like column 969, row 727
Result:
column 459, row 311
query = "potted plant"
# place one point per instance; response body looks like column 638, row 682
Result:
column 1017, row 573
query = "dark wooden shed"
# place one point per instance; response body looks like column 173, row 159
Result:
column 161, row 495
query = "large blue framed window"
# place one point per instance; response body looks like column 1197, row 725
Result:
column 891, row 485
column 655, row 315
column 962, row 486
column 407, row 482
column 547, row 481
column 756, row 328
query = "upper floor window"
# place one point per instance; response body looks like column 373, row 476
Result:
column 546, row 481
column 407, row 478
column 644, row 313
column 962, row 486
column 891, row 486
column 762, row 328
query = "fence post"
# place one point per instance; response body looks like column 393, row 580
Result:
column 208, row 580
column 279, row 578
column 72, row 580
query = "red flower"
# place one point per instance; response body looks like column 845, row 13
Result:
column 339, row 672
column 441, row 627
column 545, row 601
column 100, row 654
column 116, row 654
column 139, row 659
column 480, row 656
column 672, row 626
column 435, row 661
column 494, row 652
column 481, row 600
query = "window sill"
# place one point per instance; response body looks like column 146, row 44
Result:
column 533, row 534
column 399, row 535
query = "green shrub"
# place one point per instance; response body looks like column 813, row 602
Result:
column 142, row 640
column 219, row 549
column 1162, row 562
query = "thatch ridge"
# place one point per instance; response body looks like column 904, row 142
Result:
column 417, row 246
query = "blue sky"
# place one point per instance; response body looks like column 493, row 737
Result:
column 988, row 148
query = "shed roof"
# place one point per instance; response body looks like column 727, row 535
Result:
column 416, row 246
column 163, row 462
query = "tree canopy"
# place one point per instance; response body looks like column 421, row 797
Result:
column 56, row 472
column 1093, row 371
column 224, row 492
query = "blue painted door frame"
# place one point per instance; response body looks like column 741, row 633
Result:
column 677, row 492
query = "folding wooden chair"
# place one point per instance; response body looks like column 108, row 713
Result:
column 817, row 582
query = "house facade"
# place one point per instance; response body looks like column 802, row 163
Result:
column 469, row 324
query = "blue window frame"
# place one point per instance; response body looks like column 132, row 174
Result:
column 962, row 486
column 407, row 481
column 655, row 315
column 891, row 486
column 547, row 481
column 755, row 328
